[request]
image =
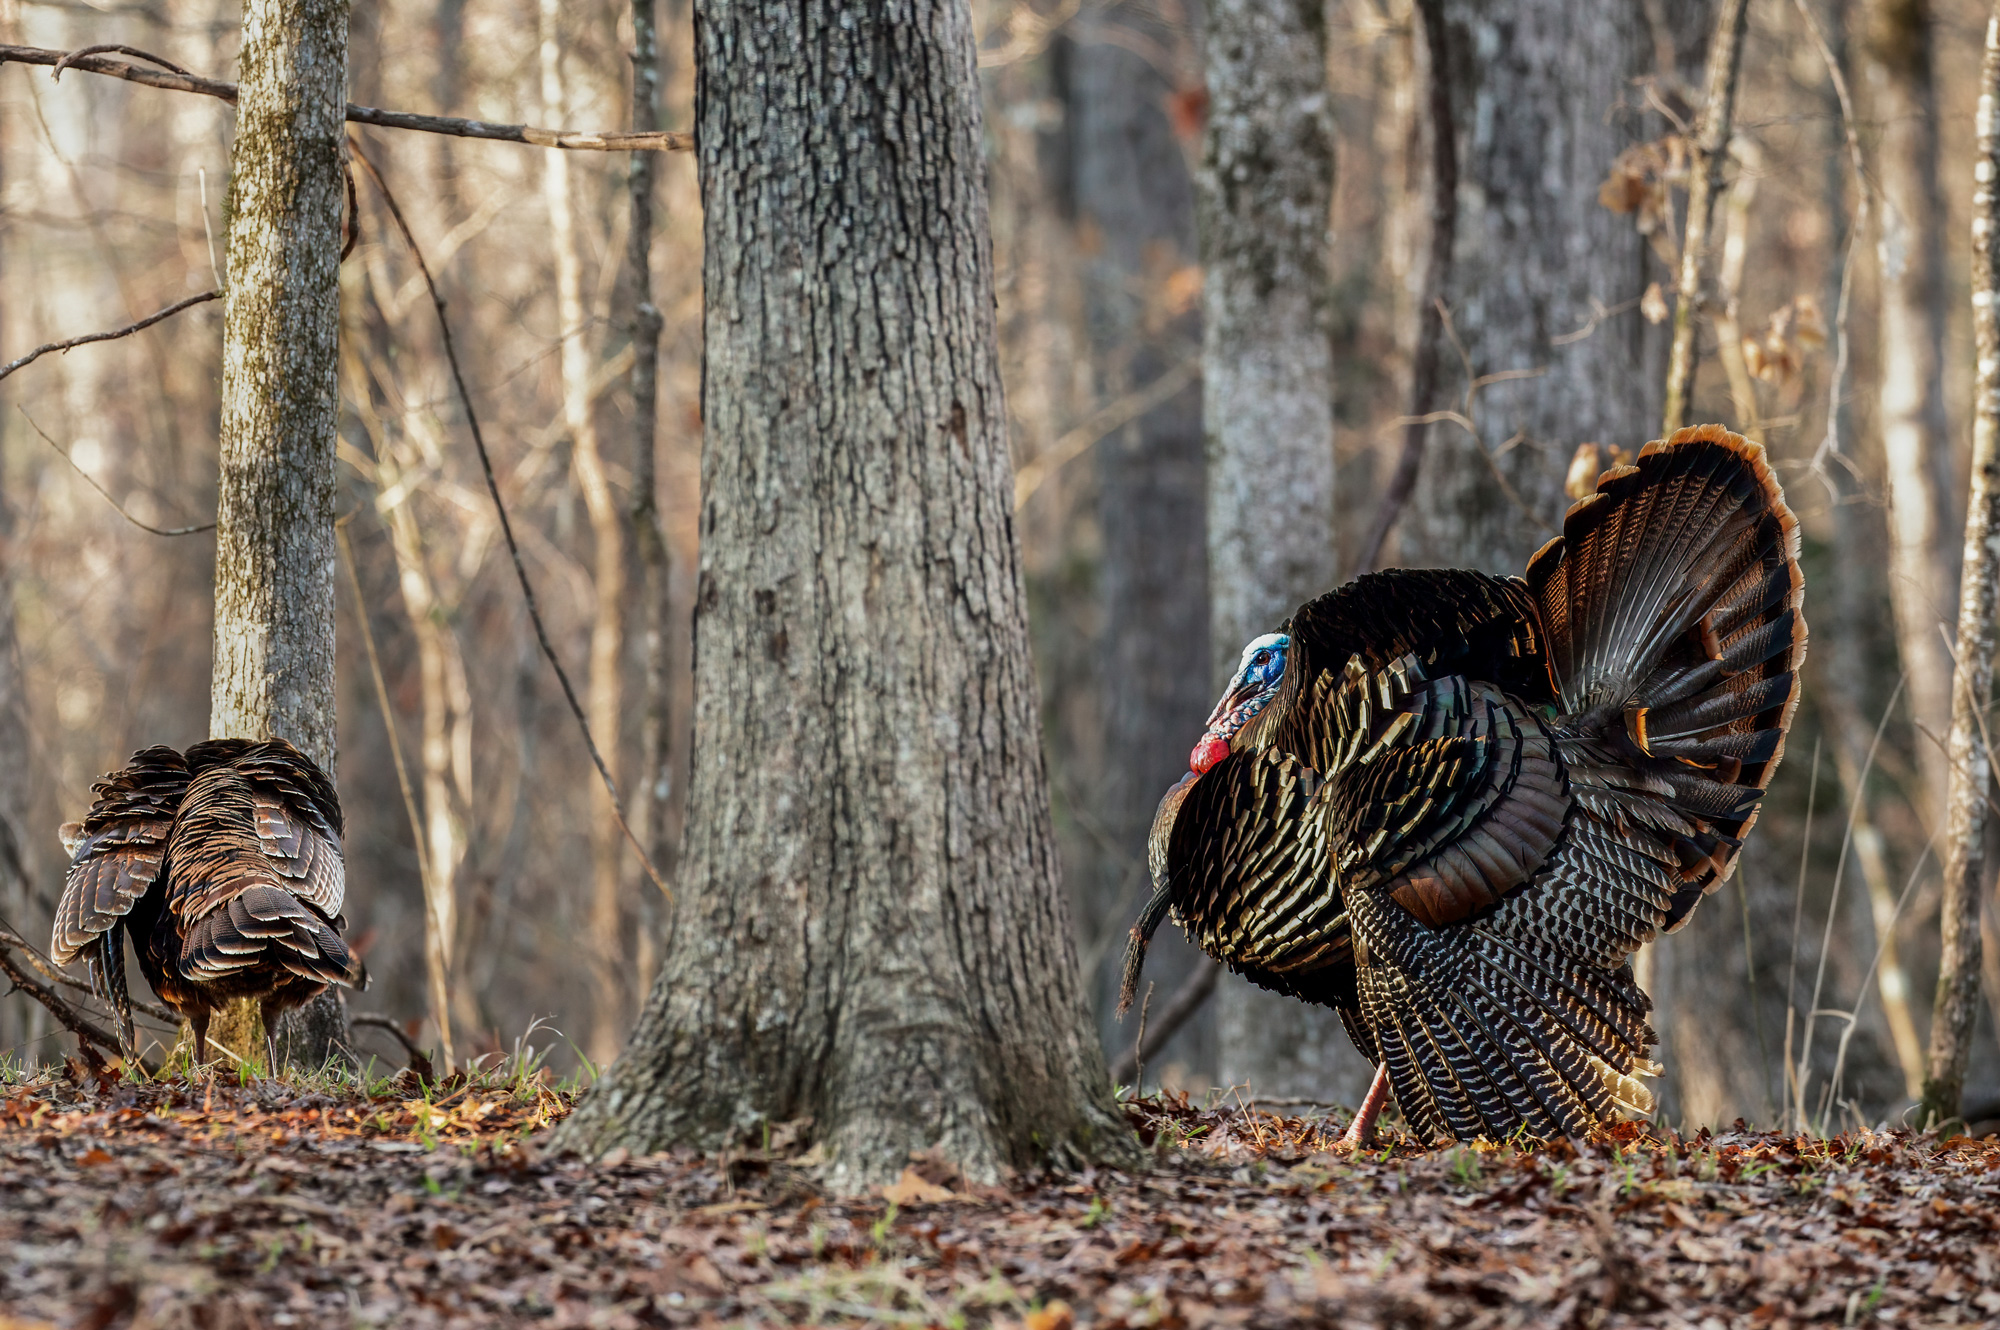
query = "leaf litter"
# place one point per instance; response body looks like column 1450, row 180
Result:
column 210, row 1204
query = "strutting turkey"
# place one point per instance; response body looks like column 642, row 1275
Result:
column 1450, row 806
column 225, row 865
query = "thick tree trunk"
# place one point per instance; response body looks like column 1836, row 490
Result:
column 871, row 930
column 1534, row 258
column 1129, row 184
column 1265, row 188
column 604, row 702
column 1533, row 85
column 274, row 545
column 1957, row 1003
column 1915, row 440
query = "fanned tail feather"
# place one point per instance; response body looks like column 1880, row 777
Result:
column 1671, row 602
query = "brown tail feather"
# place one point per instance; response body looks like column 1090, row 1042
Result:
column 1672, row 606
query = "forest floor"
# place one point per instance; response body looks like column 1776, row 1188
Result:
column 247, row 1205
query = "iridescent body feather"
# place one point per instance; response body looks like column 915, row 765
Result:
column 1465, row 801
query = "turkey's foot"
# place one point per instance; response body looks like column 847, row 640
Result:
column 1361, row 1133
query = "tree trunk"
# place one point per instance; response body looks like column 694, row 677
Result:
column 1534, row 259
column 22, row 1020
column 1915, row 440
column 1532, row 91
column 446, row 748
column 607, row 633
column 274, row 546
column 1957, row 1004
column 1264, row 191
column 1709, row 153
column 649, row 791
column 871, row 930
column 1132, row 193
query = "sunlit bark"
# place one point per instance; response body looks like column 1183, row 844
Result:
column 274, row 545
column 1956, row 1006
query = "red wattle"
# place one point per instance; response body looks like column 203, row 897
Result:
column 1212, row 749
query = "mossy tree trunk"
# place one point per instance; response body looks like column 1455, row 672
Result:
column 274, row 548
column 871, row 932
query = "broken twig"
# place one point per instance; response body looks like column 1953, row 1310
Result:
column 73, row 1020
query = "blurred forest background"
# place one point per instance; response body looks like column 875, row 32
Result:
column 1525, row 305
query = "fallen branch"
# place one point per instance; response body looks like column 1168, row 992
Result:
column 420, row 1061
column 72, row 1019
column 1185, row 1002
column 42, row 966
column 126, row 331
column 174, row 79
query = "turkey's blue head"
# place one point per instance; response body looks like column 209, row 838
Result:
column 1250, row 690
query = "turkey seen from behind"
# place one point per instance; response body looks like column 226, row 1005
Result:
column 224, row 864
column 1451, row 806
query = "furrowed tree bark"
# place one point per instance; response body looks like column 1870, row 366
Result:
column 274, row 546
column 1709, row 154
column 649, row 791
column 1128, row 182
column 871, row 931
column 607, row 632
column 1438, row 185
column 1264, row 191
column 1532, row 86
column 1916, row 442
column 1957, row 1003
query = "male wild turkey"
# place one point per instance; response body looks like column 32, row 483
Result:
column 225, row 865
column 1450, row 806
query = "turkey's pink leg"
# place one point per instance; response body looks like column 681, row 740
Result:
column 1362, row 1133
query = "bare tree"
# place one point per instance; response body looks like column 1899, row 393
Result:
column 872, row 934
column 1957, row 1004
column 274, row 546
column 1709, row 154
column 1125, row 175
column 444, row 695
column 1910, row 358
column 23, row 1021
column 1265, row 188
column 649, row 790
column 607, row 633
column 1534, row 260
